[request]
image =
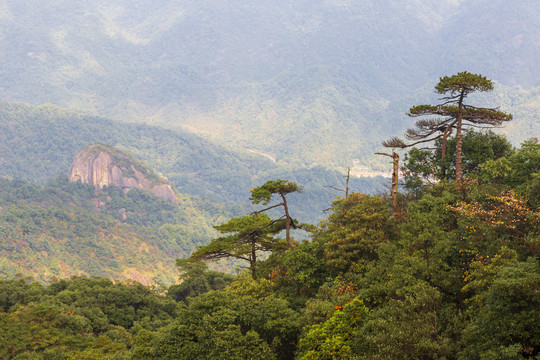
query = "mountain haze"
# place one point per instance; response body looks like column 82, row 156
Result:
column 315, row 83
column 40, row 143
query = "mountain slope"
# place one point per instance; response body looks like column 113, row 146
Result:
column 39, row 143
column 66, row 229
column 313, row 82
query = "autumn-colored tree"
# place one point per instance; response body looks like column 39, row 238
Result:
column 504, row 216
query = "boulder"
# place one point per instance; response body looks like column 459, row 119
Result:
column 101, row 165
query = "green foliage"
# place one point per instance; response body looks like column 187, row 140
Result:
column 297, row 274
column 506, row 327
column 106, row 233
column 196, row 280
column 263, row 194
column 452, row 114
column 114, row 304
column 478, row 147
column 252, row 237
column 333, row 339
column 17, row 292
column 482, row 151
column 463, row 81
column 455, row 277
column 418, row 168
column 222, row 325
column 80, row 318
column 518, row 169
column 357, row 226
column 525, row 163
column 429, row 238
column 404, row 328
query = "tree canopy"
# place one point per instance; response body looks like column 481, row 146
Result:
column 250, row 236
column 264, row 193
column 452, row 114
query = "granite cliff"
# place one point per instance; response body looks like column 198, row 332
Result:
column 102, row 165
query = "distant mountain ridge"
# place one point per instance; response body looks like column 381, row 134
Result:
column 314, row 82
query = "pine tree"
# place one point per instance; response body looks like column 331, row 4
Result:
column 452, row 114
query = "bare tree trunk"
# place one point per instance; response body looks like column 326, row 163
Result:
column 446, row 133
column 395, row 180
column 347, row 183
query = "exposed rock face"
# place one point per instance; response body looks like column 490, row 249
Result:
column 100, row 165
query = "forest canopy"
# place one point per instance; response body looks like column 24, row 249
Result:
column 455, row 276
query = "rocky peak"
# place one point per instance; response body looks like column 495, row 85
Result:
column 102, row 165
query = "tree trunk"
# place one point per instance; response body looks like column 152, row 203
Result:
column 459, row 140
column 395, row 180
column 446, row 133
column 287, row 222
column 347, row 183
column 253, row 260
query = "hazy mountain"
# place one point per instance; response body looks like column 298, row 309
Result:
column 313, row 82
column 61, row 229
column 38, row 144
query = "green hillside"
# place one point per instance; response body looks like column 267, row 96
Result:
column 65, row 229
column 39, row 143
column 51, row 228
column 252, row 111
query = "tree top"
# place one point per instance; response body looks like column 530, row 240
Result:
column 463, row 82
column 247, row 224
column 264, row 192
column 469, row 113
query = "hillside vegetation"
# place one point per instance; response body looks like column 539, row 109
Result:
column 51, row 228
column 39, row 143
column 65, row 229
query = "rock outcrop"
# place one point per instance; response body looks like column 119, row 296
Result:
column 102, row 165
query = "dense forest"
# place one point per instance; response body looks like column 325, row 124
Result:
column 65, row 229
column 448, row 268
column 453, row 275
